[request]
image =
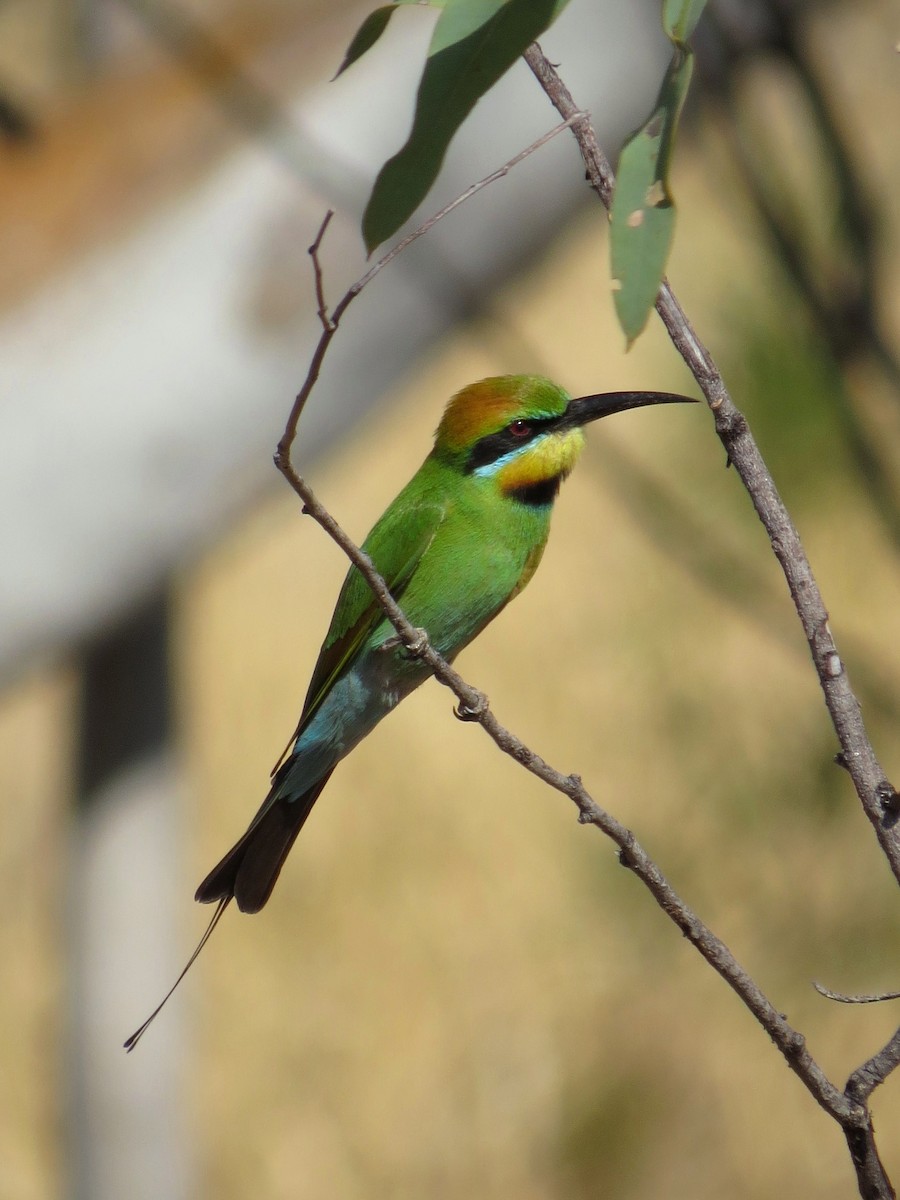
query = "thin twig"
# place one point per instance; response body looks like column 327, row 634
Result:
column 330, row 326
column 870, row 1172
column 843, row 998
column 868, row 776
column 322, row 306
column 872, row 1074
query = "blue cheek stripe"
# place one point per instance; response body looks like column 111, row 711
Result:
column 491, row 468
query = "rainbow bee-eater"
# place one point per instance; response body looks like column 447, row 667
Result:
column 461, row 540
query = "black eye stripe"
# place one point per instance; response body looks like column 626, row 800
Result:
column 495, row 445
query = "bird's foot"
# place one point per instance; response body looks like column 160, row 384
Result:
column 415, row 648
column 472, row 712
column 412, row 649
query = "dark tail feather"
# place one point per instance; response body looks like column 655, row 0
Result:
column 250, row 869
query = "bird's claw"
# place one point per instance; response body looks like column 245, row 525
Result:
column 471, row 712
column 412, row 649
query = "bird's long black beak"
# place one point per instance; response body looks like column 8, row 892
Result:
column 591, row 408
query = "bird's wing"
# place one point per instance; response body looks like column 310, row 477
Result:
column 396, row 546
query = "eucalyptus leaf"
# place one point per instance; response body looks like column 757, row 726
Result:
column 371, row 30
column 474, row 43
column 643, row 213
column 680, row 18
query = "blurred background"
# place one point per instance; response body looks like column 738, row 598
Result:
column 455, row 990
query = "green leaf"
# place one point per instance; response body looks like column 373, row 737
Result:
column 680, row 18
column 474, row 43
column 643, row 213
column 371, row 30
column 366, row 36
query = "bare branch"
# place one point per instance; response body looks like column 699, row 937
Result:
column 330, row 325
column 322, row 310
column 874, row 790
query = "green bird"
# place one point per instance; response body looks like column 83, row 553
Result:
column 461, row 540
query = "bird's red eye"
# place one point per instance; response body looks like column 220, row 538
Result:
column 519, row 429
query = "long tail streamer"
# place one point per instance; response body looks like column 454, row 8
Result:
column 216, row 917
